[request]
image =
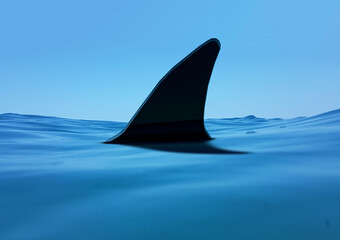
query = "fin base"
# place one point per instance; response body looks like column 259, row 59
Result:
column 164, row 132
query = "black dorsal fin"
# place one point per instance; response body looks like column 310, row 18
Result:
column 174, row 110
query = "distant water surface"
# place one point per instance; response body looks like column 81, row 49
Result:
column 58, row 181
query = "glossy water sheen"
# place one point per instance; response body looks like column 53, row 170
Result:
column 58, row 181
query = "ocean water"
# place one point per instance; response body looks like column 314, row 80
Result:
column 272, row 179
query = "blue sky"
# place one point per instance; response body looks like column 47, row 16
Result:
column 100, row 59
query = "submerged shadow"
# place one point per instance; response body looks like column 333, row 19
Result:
column 201, row 147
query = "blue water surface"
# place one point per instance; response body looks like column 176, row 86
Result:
column 58, row 181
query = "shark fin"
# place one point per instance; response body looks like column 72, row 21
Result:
column 174, row 110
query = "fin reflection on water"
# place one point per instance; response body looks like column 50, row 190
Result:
column 185, row 147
